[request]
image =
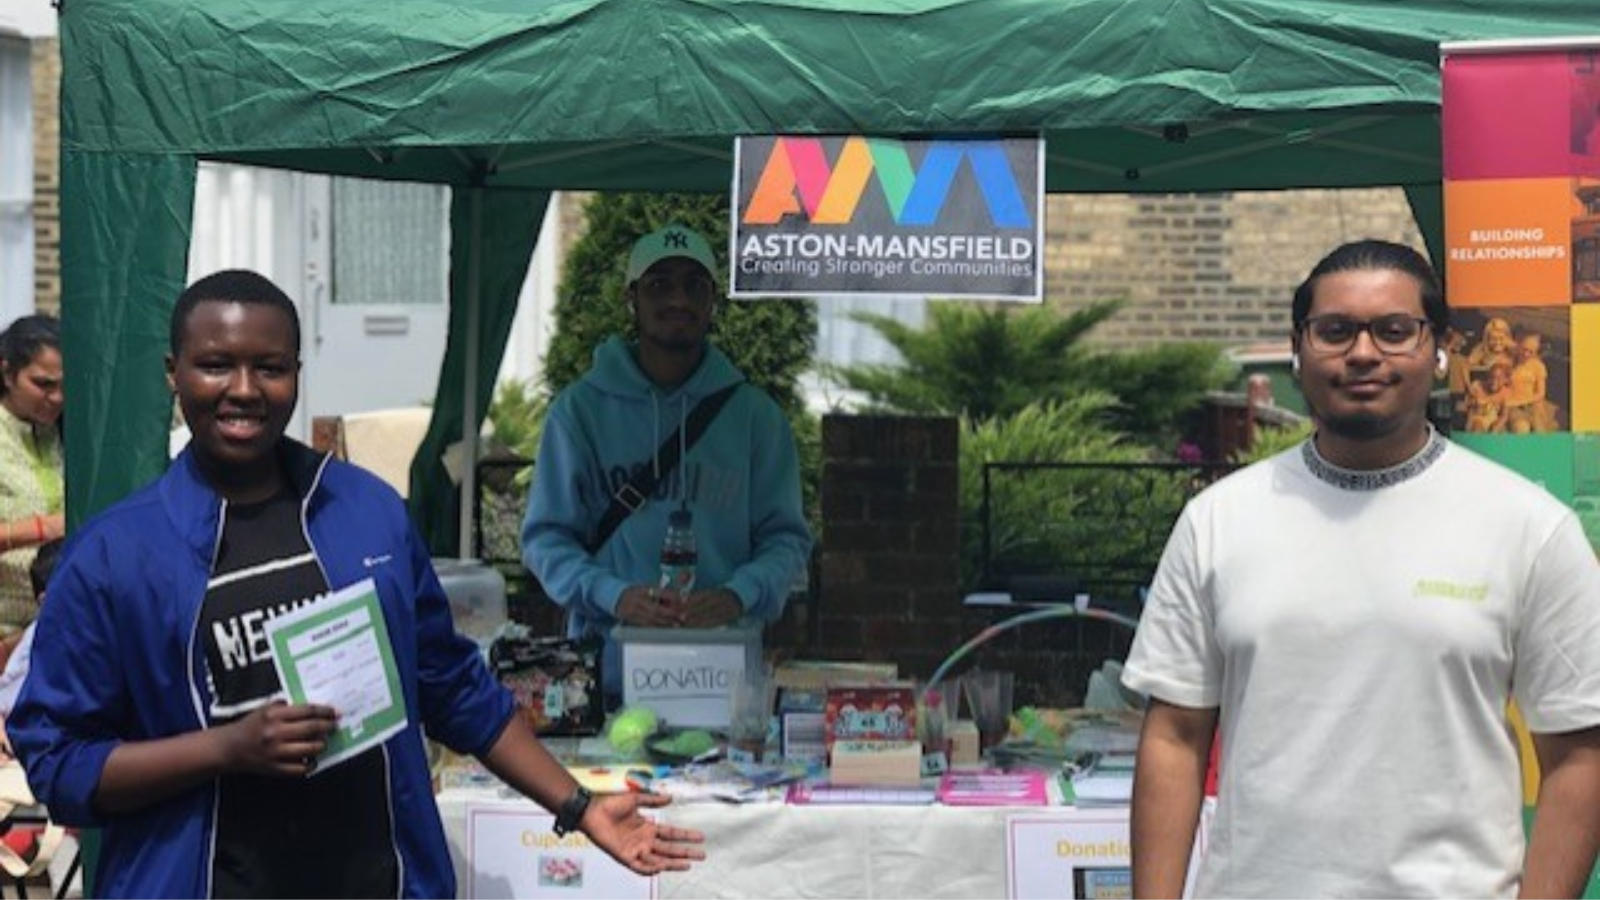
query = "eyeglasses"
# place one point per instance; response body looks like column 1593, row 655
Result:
column 697, row 287
column 1393, row 335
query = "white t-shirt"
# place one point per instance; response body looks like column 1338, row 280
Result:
column 1362, row 646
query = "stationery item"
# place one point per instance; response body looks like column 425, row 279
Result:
column 819, row 675
column 876, row 762
column 861, row 795
column 1116, row 733
column 1102, row 882
column 992, row 787
column 336, row 652
column 727, row 781
column 604, row 779
column 801, row 727
column 1103, row 780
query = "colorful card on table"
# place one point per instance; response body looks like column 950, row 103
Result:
column 992, row 787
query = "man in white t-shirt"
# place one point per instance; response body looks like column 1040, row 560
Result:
column 1355, row 614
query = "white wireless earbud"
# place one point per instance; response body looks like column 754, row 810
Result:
column 1294, row 363
column 1444, row 360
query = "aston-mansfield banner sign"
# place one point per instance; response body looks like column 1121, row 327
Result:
column 859, row 215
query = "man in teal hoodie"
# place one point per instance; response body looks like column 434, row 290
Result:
column 740, row 482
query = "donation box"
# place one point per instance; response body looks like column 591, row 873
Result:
column 685, row 675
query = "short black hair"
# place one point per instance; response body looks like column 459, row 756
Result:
column 24, row 338
column 1375, row 255
column 44, row 563
column 230, row 286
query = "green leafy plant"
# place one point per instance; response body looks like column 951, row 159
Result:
column 1032, row 525
column 517, row 413
column 1272, row 440
column 1158, row 388
column 978, row 362
column 987, row 362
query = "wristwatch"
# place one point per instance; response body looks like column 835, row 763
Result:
column 571, row 812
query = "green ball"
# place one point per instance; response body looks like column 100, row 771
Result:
column 630, row 727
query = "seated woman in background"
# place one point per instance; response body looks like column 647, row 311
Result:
column 30, row 464
column 1528, row 409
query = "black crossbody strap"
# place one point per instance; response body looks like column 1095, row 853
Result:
column 632, row 495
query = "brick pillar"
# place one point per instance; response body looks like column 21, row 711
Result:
column 889, row 568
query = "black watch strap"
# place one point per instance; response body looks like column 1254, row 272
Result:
column 571, row 812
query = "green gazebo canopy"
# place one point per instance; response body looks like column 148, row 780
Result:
column 506, row 100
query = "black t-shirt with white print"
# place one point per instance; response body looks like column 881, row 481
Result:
column 329, row 835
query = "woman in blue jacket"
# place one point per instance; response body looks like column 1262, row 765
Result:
column 166, row 725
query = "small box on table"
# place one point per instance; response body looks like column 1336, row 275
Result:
column 801, row 729
column 876, row 763
column 803, row 699
column 820, row 674
column 963, row 736
column 685, row 675
column 871, row 712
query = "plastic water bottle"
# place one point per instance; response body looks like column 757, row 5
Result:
column 678, row 556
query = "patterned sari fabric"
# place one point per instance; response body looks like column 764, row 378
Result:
column 30, row 485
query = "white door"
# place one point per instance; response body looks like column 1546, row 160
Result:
column 374, row 295
column 16, row 179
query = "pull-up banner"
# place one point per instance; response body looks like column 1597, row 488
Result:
column 859, row 215
column 1522, row 228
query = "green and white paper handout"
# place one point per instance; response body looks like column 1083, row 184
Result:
column 336, row 652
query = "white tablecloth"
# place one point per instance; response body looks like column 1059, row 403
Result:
column 778, row 850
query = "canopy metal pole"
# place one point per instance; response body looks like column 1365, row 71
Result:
column 469, row 379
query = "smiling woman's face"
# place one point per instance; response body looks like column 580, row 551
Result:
column 237, row 377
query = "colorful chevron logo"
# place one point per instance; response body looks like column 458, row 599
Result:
column 799, row 181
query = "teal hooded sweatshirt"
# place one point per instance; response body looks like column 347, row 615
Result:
column 741, row 481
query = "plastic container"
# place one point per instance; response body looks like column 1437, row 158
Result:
column 477, row 594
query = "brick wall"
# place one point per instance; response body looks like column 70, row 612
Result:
column 46, row 175
column 1212, row 267
column 888, row 569
column 888, row 586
